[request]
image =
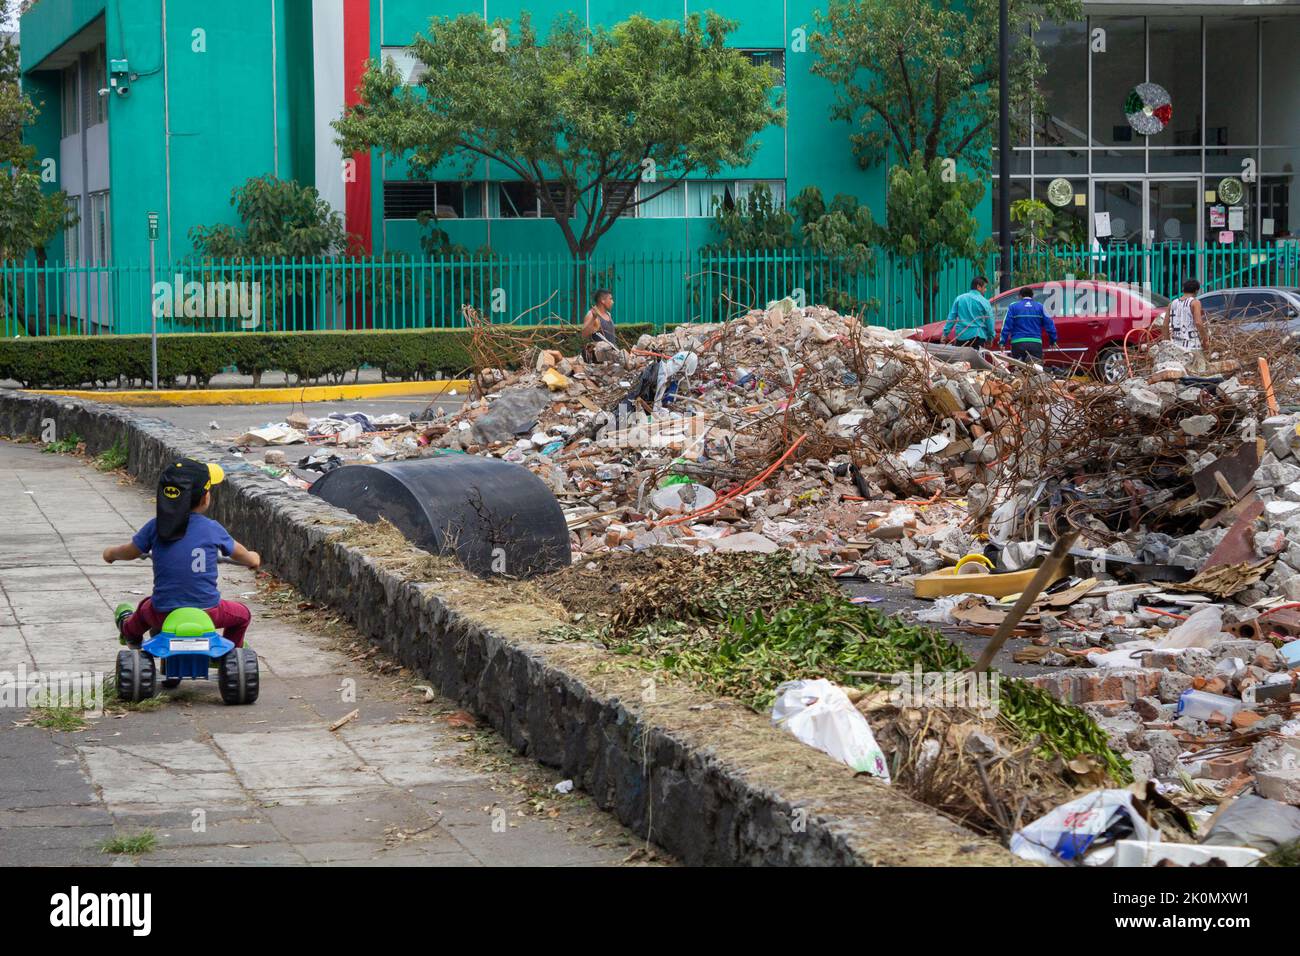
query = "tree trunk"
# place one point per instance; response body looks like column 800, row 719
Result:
column 581, row 278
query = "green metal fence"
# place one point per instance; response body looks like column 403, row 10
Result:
column 656, row 287
column 1164, row 268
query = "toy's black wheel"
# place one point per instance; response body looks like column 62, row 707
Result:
column 171, row 683
column 136, row 675
column 237, row 677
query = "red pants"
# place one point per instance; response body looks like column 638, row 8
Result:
column 231, row 617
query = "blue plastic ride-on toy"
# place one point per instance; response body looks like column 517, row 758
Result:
column 187, row 647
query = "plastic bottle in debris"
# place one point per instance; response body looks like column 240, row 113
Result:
column 1201, row 705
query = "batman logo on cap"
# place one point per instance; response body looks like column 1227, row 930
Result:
column 171, row 491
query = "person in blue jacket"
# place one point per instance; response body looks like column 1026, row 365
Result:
column 1024, row 326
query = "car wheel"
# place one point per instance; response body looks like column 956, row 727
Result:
column 237, row 677
column 1110, row 366
column 136, row 675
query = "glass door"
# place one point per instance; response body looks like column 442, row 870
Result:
column 1118, row 228
column 1173, row 223
column 1146, row 230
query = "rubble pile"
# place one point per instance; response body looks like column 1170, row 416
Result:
column 802, row 434
column 879, row 459
column 891, row 458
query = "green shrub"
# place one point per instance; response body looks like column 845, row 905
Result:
column 75, row 360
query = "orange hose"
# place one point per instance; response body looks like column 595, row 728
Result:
column 745, row 489
column 1127, row 364
column 1156, row 610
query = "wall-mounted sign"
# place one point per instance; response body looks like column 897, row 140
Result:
column 1218, row 216
column 1060, row 192
column 1231, row 190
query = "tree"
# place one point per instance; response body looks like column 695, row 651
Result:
column 922, row 77
column 918, row 82
column 1036, row 259
column 842, row 231
column 279, row 220
column 29, row 216
column 928, row 221
column 594, row 122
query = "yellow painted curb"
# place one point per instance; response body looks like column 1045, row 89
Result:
column 262, row 396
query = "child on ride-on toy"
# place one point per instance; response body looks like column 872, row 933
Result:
column 185, row 544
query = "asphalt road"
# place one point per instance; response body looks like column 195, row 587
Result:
column 234, row 420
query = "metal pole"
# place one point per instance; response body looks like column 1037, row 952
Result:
column 1004, row 147
column 153, row 317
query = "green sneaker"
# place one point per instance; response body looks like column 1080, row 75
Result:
column 120, row 614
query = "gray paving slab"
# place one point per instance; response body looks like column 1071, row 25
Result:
column 266, row 785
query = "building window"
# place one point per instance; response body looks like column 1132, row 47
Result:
column 447, row 199
column 775, row 188
column 411, row 67
column 1114, row 74
column 406, row 199
column 99, row 228
column 72, row 231
column 1063, row 120
column 1235, row 110
column 773, row 58
column 71, row 105
column 94, row 106
column 518, row 200
column 662, row 203
column 1232, row 81
column 620, row 192
column 704, row 197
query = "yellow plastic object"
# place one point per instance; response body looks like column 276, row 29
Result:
column 947, row 581
column 555, row 380
column 973, row 556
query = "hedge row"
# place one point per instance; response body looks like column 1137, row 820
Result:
column 123, row 360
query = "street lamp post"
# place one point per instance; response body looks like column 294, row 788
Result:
column 1004, row 147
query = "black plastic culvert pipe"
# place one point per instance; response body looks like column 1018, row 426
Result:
column 498, row 518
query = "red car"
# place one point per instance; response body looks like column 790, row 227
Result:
column 1091, row 317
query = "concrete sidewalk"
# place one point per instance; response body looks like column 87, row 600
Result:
column 266, row 784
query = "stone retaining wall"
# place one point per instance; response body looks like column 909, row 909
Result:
column 706, row 779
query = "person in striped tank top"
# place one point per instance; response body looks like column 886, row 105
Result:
column 1186, row 325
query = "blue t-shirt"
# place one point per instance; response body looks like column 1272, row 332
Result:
column 185, row 571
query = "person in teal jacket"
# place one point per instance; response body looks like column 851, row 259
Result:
column 970, row 321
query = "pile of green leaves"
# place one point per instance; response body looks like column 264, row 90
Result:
column 741, row 625
column 750, row 655
column 1064, row 730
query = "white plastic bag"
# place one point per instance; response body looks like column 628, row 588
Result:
column 1202, row 629
column 1066, row 834
column 820, row 714
column 940, row 612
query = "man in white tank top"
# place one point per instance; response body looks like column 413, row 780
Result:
column 1186, row 324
